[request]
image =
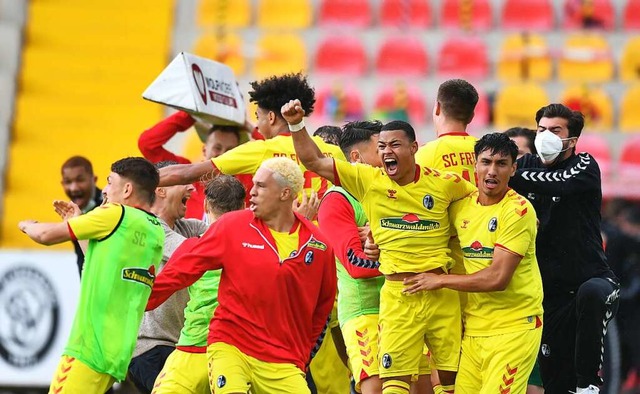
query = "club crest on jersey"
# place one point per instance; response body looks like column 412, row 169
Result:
column 308, row 258
column 386, row 361
column 477, row 251
column 464, row 223
column 493, row 224
column 391, row 193
column 427, row 201
column 314, row 243
column 222, row 381
column 545, row 349
column 139, row 275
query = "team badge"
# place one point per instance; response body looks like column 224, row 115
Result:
column 308, row 258
column 222, row 381
column 545, row 349
column 293, row 253
column 427, row 201
column 493, row 224
column 386, row 361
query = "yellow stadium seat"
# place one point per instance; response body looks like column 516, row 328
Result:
column 516, row 105
column 279, row 54
column 284, row 14
column 630, row 62
column 586, row 57
column 629, row 113
column 594, row 103
column 524, row 56
column 228, row 13
column 225, row 49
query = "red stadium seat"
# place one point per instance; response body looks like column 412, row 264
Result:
column 466, row 15
column 598, row 147
column 400, row 13
column 402, row 55
column 481, row 115
column 338, row 104
column 630, row 158
column 589, row 14
column 527, row 15
column 631, row 16
column 342, row 55
column 464, row 57
column 392, row 98
column 353, row 13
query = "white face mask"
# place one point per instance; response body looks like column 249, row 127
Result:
column 549, row 146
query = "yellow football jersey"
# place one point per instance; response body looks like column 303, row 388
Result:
column 409, row 223
column 246, row 159
column 450, row 152
column 510, row 225
column 97, row 223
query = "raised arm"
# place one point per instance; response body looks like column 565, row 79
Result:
column 306, row 149
column 151, row 142
column 184, row 174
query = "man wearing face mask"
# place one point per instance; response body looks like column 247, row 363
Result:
column 581, row 291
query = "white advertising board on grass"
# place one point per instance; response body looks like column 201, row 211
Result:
column 38, row 297
column 202, row 87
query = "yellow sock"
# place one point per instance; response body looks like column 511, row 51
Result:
column 442, row 389
column 395, row 387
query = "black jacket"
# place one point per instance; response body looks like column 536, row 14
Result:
column 567, row 198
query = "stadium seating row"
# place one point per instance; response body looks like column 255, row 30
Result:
column 513, row 105
column 532, row 15
column 583, row 57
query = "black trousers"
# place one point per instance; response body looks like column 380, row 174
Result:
column 145, row 368
column 575, row 324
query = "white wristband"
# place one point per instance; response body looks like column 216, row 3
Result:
column 294, row 128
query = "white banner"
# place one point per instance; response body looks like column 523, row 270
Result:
column 38, row 297
column 202, row 87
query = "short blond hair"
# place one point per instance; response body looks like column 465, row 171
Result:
column 286, row 172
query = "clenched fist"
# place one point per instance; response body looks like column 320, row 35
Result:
column 292, row 112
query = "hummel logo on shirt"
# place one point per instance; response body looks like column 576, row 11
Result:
column 252, row 246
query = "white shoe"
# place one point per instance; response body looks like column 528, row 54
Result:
column 589, row 390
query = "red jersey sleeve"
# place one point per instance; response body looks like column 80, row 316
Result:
column 151, row 141
column 188, row 263
column 336, row 219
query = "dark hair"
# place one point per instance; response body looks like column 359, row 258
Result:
column 329, row 134
column 141, row 172
column 78, row 161
column 274, row 92
column 356, row 132
column 575, row 119
column 529, row 134
column 225, row 129
column 497, row 143
column 165, row 163
column 401, row 125
column 225, row 193
column 458, row 99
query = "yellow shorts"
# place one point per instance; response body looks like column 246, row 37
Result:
column 361, row 338
column 183, row 372
column 231, row 371
column 499, row 363
column 73, row 376
column 408, row 321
